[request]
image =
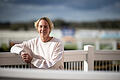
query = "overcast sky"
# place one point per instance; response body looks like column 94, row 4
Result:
column 69, row 10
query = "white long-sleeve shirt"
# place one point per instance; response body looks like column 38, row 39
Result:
column 46, row 55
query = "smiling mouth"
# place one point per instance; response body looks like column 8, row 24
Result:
column 43, row 32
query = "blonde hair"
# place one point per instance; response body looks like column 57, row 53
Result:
column 50, row 23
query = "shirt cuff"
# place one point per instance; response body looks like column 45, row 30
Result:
column 16, row 50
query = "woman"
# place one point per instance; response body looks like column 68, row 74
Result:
column 42, row 52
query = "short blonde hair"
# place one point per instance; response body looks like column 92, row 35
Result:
column 50, row 23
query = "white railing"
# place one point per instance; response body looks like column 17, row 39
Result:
column 37, row 74
column 84, row 60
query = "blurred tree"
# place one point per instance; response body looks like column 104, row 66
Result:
column 14, row 27
column 4, row 47
column 70, row 47
column 5, row 25
column 25, row 27
column 60, row 23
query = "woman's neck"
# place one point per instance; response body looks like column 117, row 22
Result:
column 46, row 39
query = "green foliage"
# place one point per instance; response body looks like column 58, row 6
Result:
column 59, row 23
column 14, row 27
column 4, row 47
column 106, row 47
column 70, row 47
column 23, row 26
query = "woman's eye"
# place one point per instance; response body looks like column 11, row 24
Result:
column 45, row 26
column 40, row 26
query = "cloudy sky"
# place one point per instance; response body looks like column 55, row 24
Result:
column 69, row 10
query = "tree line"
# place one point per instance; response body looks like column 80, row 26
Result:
column 59, row 23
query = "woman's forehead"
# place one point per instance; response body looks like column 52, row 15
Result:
column 43, row 22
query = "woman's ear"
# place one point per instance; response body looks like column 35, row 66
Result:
column 37, row 29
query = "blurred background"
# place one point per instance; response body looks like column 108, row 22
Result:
column 77, row 22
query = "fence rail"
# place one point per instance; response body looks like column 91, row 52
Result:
column 83, row 60
column 36, row 74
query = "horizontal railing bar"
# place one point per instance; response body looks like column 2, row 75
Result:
column 57, row 74
column 103, row 52
column 111, row 56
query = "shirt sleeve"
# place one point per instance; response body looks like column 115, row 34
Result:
column 56, row 57
column 17, row 48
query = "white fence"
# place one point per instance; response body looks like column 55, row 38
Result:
column 83, row 60
column 37, row 74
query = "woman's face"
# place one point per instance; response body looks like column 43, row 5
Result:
column 43, row 29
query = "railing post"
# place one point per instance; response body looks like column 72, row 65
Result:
column 85, row 66
column 90, row 56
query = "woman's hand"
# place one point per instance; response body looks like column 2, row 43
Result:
column 26, row 57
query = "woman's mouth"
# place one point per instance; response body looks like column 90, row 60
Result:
column 43, row 32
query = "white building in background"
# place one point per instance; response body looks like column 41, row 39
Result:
column 7, row 35
column 107, row 39
column 110, row 39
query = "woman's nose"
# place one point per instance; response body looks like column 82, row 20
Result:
column 43, row 28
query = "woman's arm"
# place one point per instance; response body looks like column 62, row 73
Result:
column 56, row 57
column 24, row 50
column 25, row 46
column 17, row 48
